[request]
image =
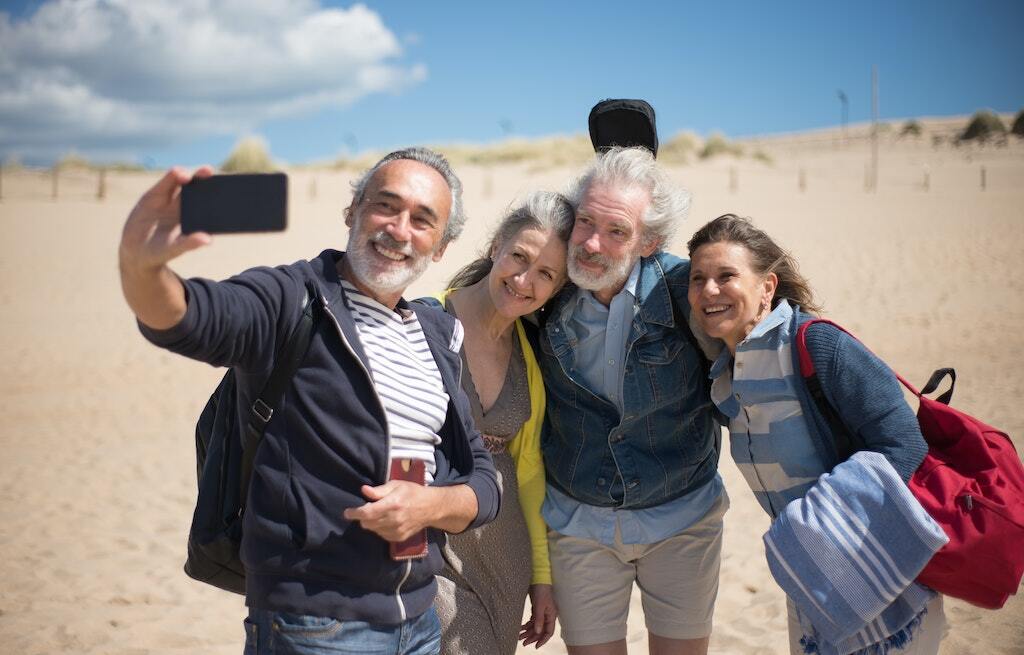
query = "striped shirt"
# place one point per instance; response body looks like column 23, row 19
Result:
column 768, row 435
column 404, row 374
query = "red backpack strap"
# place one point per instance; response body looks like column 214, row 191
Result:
column 841, row 435
column 807, row 365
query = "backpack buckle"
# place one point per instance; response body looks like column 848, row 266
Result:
column 263, row 410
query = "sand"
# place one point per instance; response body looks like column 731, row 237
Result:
column 97, row 481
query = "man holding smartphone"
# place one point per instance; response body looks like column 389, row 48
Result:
column 377, row 394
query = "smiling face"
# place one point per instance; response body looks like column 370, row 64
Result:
column 528, row 269
column 727, row 295
column 396, row 229
column 607, row 238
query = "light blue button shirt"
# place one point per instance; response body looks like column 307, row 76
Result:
column 600, row 334
column 600, row 337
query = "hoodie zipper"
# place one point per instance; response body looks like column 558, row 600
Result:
column 373, row 388
column 387, row 434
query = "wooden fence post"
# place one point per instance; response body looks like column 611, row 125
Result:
column 802, row 180
column 101, row 185
column 734, row 181
column 55, row 173
column 984, row 182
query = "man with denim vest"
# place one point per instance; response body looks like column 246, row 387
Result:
column 630, row 442
column 378, row 385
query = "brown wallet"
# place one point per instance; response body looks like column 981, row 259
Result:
column 415, row 547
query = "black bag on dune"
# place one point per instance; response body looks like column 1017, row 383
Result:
column 224, row 457
column 623, row 122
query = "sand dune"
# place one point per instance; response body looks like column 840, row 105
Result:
column 98, row 479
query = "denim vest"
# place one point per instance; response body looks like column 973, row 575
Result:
column 665, row 442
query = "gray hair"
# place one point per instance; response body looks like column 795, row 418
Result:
column 635, row 167
column 542, row 210
column 435, row 160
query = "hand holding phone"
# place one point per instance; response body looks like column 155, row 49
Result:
column 225, row 204
column 415, row 547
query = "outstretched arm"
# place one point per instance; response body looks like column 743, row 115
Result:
column 151, row 238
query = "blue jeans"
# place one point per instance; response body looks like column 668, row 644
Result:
column 280, row 633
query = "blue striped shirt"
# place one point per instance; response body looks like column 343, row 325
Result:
column 768, row 436
column 405, row 376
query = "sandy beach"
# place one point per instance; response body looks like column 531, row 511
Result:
column 97, row 481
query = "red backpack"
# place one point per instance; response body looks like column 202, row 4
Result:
column 971, row 482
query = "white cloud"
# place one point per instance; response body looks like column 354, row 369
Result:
column 106, row 76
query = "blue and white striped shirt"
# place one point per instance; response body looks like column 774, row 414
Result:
column 404, row 374
column 768, row 435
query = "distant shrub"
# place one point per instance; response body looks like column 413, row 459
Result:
column 1018, row 124
column 250, row 155
column 763, row 157
column 73, row 160
column 124, row 167
column 678, row 149
column 911, row 128
column 718, row 145
column 983, row 126
column 540, row 154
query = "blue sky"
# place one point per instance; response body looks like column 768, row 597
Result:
column 163, row 82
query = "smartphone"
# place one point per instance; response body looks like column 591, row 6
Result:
column 249, row 202
column 415, row 547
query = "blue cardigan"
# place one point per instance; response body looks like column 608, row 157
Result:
column 865, row 394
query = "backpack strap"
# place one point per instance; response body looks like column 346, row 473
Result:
column 935, row 380
column 843, row 437
column 288, row 361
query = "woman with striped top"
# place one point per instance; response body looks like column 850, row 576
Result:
column 748, row 292
column 490, row 570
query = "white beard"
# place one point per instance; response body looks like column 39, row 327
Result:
column 615, row 273
column 379, row 277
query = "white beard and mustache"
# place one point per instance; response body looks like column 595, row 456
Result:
column 378, row 274
column 615, row 270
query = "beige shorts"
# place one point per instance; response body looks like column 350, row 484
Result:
column 677, row 578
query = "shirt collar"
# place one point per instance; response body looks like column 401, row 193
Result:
column 778, row 316
column 721, row 364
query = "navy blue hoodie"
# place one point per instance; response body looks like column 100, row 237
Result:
column 326, row 440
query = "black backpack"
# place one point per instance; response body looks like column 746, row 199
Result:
column 622, row 122
column 224, row 456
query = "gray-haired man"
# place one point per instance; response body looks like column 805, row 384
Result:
column 630, row 443
column 380, row 382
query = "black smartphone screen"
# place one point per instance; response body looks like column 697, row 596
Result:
column 250, row 202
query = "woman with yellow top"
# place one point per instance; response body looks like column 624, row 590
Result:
column 490, row 570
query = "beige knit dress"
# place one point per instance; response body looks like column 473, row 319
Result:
column 483, row 587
